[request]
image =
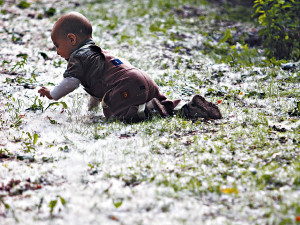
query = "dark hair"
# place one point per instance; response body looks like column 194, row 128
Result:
column 75, row 23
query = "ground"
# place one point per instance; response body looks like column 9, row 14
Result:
column 60, row 164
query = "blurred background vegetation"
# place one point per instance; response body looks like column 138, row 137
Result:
column 280, row 27
column 277, row 23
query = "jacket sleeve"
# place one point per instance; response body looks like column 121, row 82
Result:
column 74, row 68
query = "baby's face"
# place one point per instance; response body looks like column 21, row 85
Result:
column 63, row 46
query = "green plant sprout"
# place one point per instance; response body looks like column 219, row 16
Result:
column 57, row 63
column 5, row 151
column 53, row 203
column 20, row 80
column 64, row 105
column 23, row 5
column 6, row 206
column 30, row 142
column 20, row 64
column 118, row 204
column 37, row 105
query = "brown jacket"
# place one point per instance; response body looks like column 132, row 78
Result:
column 122, row 87
column 97, row 70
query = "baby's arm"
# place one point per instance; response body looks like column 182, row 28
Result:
column 66, row 86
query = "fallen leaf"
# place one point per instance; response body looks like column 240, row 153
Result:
column 118, row 204
column 230, row 191
column 112, row 217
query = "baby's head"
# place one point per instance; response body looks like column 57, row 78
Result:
column 69, row 31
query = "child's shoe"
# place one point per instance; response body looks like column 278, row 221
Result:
column 198, row 107
column 154, row 107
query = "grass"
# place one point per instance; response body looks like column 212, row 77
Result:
column 243, row 169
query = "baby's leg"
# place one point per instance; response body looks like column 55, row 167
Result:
column 93, row 103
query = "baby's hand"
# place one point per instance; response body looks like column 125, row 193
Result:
column 45, row 92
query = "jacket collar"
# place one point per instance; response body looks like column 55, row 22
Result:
column 85, row 42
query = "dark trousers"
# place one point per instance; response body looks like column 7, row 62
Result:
column 126, row 99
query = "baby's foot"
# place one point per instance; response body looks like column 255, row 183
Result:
column 198, row 107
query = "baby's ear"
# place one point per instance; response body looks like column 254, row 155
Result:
column 72, row 37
